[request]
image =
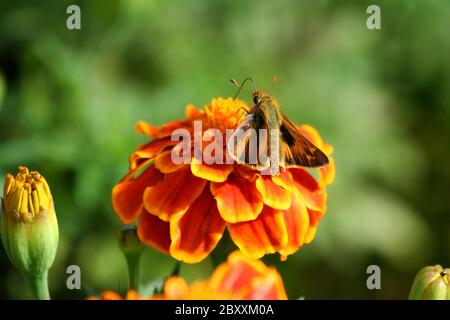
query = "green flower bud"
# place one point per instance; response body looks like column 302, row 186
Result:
column 132, row 249
column 431, row 283
column 29, row 229
column 129, row 242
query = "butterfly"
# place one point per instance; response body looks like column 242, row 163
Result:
column 266, row 138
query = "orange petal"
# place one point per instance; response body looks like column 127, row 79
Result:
column 132, row 295
column 273, row 195
column 213, row 172
column 192, row 113
column 146, row 128
column 195, row 233
column 174, row 194
column 154, row 232
column 110, row 295
column 167, row 129
column 237, row 199
column 245, row 278
column 164, row 163
column 127, row 196
column 284, row 179
column 327, row 173
column 268, row 287
column 246, row 172
column 266, row 234
column 149, row 151
column 235, row 273
column 311, row 234
column 304, row 185
column 296, row 219
column 175, row 288
column 315, row 216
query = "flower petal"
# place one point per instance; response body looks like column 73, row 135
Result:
column 192, row 113
column 327, row 173
column 273, row 195
column 305, row 187
column 311, row 234
column 315, row 217
column 196, row 232
column 149, row 151
column 176, row 288
column 164, row 163
column 235, row 273
column 132, row 295
column 146, row 128
column 266, row 234
column 109, row 295
column 246, row 172
column 213, row 172
column 297, row 223
column 267, row 287
column 174, row 194
column 247, row 279
column 127, row 195
column 154, row 232
column 237, row 199
column 167, row 129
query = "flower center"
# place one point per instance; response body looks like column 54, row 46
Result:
column 26, row 195
column 224, row 114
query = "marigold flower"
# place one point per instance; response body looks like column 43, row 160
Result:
column 239, row 278
column 29, row 228
column 184, row 209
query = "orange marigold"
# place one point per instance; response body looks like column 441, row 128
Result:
column 184, row 209
column 239, row 278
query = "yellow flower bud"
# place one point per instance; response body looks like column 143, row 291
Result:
column 29, row 228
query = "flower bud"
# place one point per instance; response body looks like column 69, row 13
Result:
column 29, row 229
column 431, row 283
column 132, row 249
column 129, row 242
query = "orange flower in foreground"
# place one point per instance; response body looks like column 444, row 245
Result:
column 239, row 278
column 184, row 209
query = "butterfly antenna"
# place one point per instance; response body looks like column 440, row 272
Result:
column 274, row 81
column 234, row 82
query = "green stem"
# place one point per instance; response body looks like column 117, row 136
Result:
column 133, row 262
column 39, row 286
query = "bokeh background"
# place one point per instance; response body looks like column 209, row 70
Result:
column 69, row 101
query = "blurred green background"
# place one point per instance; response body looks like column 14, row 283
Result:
column 69, row 101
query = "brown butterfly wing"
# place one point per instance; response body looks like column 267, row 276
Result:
column 296, row 150
column 247, row 148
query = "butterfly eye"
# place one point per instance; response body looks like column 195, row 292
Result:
column 255, row 99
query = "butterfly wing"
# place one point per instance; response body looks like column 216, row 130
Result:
column 296, row 149
column 246, row 144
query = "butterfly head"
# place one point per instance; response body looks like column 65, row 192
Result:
column 260, row 96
